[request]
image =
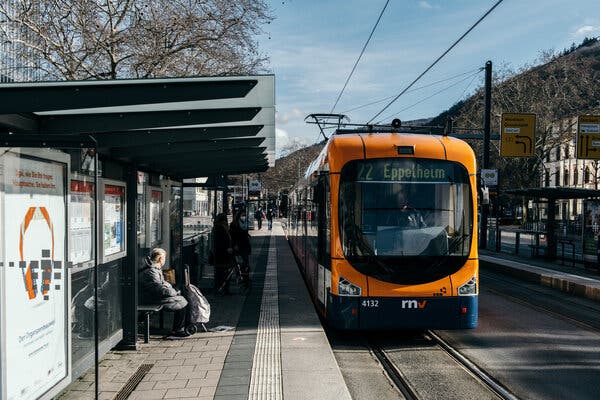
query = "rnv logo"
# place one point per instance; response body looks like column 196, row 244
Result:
column 414, row 304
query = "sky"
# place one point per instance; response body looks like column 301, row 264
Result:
column 313, row 44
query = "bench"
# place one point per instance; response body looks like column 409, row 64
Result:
column 535, row 249
column 147, row 310
column 568, row 242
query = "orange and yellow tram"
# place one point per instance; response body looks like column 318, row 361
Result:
column 384, row 226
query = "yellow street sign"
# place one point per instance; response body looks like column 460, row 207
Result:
column 588, row 137
column 517, row 135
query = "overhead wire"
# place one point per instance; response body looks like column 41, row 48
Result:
column 472, row 77
column 415, row 89
column 437, row 60
column 359, row 57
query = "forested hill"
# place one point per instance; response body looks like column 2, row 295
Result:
column 288, row 169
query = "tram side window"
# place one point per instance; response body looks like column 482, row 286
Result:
column 324, row 220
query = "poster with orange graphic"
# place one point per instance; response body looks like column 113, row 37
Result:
column 34, row 286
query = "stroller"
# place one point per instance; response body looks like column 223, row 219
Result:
column 237, row 275
column 198, row 310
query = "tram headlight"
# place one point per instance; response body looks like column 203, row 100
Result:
column 469, row 288
column 345, row 288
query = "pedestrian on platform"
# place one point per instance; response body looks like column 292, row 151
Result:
column 270, row 215
column 222, row 252
column 154, row 289
column 258, row 216
column 240, row 240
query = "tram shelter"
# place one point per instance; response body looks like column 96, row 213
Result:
column 101, row 164
column 551, row 195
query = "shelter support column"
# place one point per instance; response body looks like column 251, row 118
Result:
column 129, row 280
column 551, row 230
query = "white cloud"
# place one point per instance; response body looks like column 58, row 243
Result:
column 586, row 30
column 293, row 114
column 426, row 5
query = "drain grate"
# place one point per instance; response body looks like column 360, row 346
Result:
column 132, row 383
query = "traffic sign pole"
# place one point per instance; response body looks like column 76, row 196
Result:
column 485, row 208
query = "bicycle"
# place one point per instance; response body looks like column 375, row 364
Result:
column 237, row 276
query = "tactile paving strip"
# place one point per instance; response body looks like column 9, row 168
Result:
column 265, row 381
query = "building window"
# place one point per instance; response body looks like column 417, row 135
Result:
column 574, row 207
column 557, row 178
column 548, row 156
column 575, row 176
column 567, row 155
column 566, row 177
column 586, row 175
column 547, row 178
column 558, row 153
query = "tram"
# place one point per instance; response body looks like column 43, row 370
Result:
column 384, row 227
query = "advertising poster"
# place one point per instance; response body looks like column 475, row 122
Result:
column 81, row 220
column 113, row 217
column 155, row 216
column 591, row 230
column 35, row 284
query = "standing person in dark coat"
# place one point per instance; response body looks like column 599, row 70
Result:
column 258, row 215
column 155, row 290
column 222, row 251
column 270, row 215
column 240, row 240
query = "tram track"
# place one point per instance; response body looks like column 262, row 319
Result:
column 483, row 376
column 411, row 391
column 393, row 372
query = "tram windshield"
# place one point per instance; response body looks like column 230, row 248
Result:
column 405, row 220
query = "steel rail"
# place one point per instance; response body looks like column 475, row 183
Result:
column 393, row 372
column 486, row 378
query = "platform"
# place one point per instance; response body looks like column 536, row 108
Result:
column 268, row 344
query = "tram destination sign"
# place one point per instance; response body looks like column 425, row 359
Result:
column 405, row 170
column 588, row 137
column 517, row 135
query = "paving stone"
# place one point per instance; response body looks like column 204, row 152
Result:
column 157, row 369
column 174, row 384
column 192, row 354
column 161, row 356
column 196, row 361
column 145, row 385
column 110, row 386
column 210, row 390
column 106, row 395
column 233, row 389
column 159, row 377
column 179, row 393
column 147, row 394
column 169, row 363
column 191, row 374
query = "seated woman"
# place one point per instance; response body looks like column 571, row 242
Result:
column 155, row 290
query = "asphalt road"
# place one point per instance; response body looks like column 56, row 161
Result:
column 539, row 343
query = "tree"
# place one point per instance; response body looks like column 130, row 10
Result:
column 100, row 39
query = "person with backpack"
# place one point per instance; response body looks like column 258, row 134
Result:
column 240, row 240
